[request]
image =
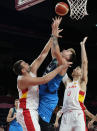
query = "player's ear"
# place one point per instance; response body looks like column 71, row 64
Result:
column 23, row 70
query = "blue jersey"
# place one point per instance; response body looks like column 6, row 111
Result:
column 14, row 125
column 48, row 94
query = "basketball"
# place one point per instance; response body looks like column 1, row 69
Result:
column 61, row 8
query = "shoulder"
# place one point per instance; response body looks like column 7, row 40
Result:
column 10, row 110
column 19, row 77
column 32, row 74
column 24, row 78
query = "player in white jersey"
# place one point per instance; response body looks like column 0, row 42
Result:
column 24, row 84
column 60, row 113
column 27, row 83
column 73, row 118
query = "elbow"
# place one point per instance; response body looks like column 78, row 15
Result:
column 85, row 62
column 85, row 80
column 55, row 53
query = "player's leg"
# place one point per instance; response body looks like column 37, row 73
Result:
column 28, row 120
column 20, row 119
column 65, row 125
column 80, row 123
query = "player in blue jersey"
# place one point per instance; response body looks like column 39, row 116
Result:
column 48, row 93
column 11, row 118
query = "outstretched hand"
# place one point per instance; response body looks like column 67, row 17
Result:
column 56, row 124
column 90, row 124
column 55, row 26
column 84, row 41
column 57, row 20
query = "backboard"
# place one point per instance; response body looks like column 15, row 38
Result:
column 23, row 4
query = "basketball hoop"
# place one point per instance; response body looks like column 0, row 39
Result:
column 77, row 8
column 23, row 4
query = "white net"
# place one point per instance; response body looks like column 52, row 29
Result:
column 78, row 8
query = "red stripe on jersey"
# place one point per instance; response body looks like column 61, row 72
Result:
column 28, row 120
column 83, row 108
column 24, row 91
column 82, row 92
column 22, row 103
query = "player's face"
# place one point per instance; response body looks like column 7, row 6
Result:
column 77, row 72
column 25, row 66
column 16, row 103
column 66, row 54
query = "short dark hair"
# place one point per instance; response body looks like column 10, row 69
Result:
column 16, row 100
column 17, row 67
column 73, row 55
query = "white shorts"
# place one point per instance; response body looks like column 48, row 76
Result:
column 73, row 121
column 28, row 119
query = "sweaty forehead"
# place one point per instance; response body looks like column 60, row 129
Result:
column 23, row 62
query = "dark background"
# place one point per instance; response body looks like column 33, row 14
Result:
column 23, row 34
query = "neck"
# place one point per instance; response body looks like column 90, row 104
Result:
column 16, row 107
column 25, row 73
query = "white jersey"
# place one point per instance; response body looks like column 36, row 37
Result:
column 29, row 98
column 73, row 97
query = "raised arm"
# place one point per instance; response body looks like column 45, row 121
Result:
column 28, row 81
column 37, row 62
column 84, row 60
column 55, row 50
